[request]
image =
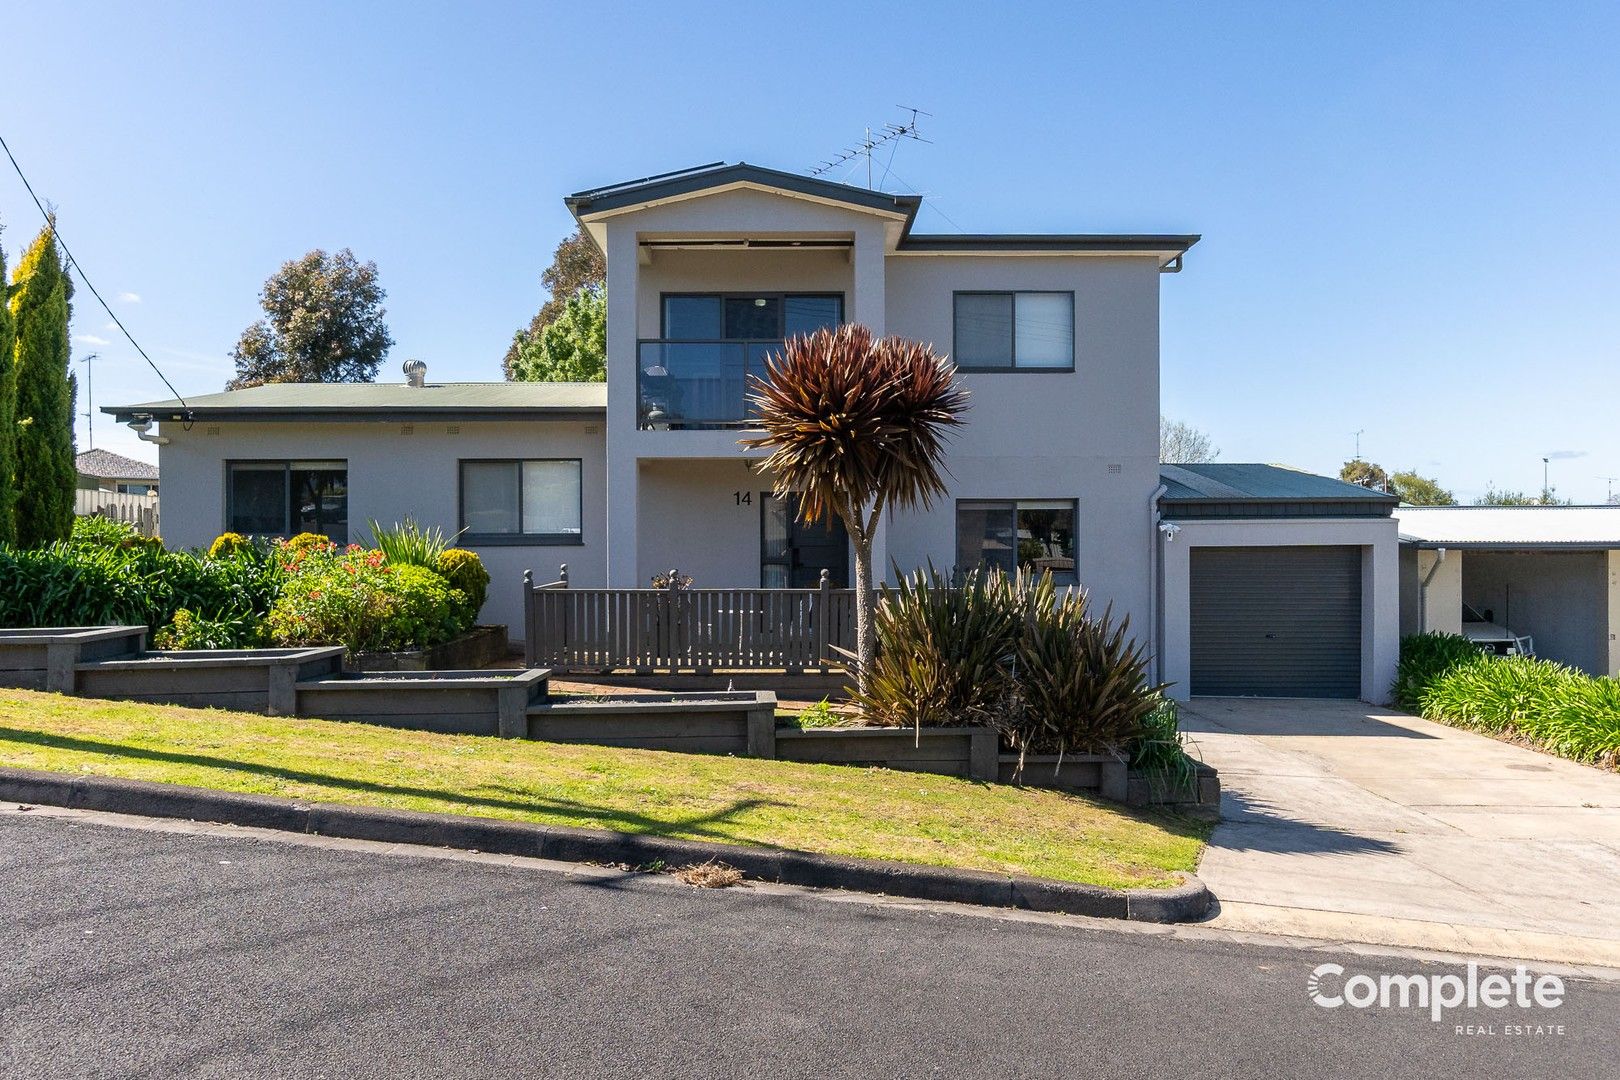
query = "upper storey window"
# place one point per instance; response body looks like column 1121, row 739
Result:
column 765, row 317
column 1002, row 331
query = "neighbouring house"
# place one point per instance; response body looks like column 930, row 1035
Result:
column 1547, row 575
column 103, row 470
column 1244, row 579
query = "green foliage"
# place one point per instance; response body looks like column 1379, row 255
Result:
column 1424, row 658
column 1082, row 678
column 1419, row 490
column 1366, row 474
column 571, row 347
column 355, row 599
column 1162, row 751
column 819, row 715
column 465, row 572
column 188, row 630
column 1554, row 706
column 8, row 414
column 108, row 574
column 1495, row 496
column 228, row 545
column 409, row 544
column 323, row 323
column 944, row 655
column 1010, row 653
column 576, row 264
column 45, row 475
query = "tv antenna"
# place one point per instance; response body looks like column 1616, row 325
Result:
column 1610, row 481
column 89, row 413
column 888, row 133
column 1358, row 435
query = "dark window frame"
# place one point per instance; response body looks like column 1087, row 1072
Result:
column 516, row 539
column 1074, row 508
column 287, row 470
column 1012, row 365
column 663, row 328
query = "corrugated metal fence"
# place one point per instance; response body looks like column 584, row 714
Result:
column 685, row 629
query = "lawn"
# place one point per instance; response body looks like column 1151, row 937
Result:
column 871, row 813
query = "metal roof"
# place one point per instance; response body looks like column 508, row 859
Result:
column 106, row 465
column 1511, row 527
column 719, row 174
column 1232, row 482
column 384, row 401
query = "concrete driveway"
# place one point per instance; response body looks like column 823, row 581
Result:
column 1345, row 821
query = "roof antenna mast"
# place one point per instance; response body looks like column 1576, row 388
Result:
column 889, row 133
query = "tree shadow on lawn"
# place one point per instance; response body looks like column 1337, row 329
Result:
column 599, row 817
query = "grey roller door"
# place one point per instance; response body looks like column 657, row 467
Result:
column 1276, row 622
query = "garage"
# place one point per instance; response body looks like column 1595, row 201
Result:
column 1275, row 582
column 1276, row 621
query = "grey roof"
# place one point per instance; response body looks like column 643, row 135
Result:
column 720, row 174
column 1232, row 482
column 384, row 401
column 1511, row 527
column 106, row 465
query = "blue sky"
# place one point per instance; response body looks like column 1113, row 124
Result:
column 1407, row 209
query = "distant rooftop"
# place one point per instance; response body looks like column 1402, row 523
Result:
column 384, row 401
column 1234, row 482
column 1558, row 527
column 106, row 465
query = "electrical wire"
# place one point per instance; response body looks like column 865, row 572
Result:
column 74, row 264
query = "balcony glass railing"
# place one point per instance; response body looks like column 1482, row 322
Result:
column 698, row 384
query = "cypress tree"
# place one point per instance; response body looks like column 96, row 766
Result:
column 45, row 474
column 8, row 415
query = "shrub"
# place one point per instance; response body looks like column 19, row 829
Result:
column 408, row 544
column 1011, row 653
column 1083, row 679
column 464, row 570
column 357, row 601
column 944, row 655
column 229, row 546
column 107, row 574
column 189, row 631
column 1424, row 658
column 1161, row 752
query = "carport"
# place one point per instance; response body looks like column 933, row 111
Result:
column 1547, row 573
column 1275, row 583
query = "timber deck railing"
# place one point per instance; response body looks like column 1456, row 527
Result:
column 675, row 629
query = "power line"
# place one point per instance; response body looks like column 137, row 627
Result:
column 74, row 264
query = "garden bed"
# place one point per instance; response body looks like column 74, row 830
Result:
column 256, row 680
column 477, row 648
column 951, row 751
column 45, row 658
column 448, row 702
column 739, row 722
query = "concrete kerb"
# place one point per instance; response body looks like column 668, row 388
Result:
column 1187, row 901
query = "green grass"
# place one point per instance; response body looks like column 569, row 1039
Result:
column 870, row 813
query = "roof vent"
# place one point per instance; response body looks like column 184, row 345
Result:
column 415, row 373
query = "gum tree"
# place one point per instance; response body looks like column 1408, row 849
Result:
column 856, row 426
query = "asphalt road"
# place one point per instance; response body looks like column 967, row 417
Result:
column 137, row 953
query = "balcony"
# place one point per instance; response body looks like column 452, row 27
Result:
column 697, row 385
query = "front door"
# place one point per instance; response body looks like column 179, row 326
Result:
column 792, row 554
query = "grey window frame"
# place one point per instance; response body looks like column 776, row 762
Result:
column 956, row 530
column 517, row 539
column 286, row 464
column 1012, row 366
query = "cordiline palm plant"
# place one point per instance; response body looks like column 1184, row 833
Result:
column 856, row 425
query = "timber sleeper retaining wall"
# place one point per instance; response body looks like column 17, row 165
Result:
column 740, row 722
column 954, row 751
column 247, row 680
column 46, row 657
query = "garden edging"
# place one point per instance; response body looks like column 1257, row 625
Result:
column 1189, row 900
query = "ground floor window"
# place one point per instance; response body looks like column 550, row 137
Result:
column 284, row 498
column 1017, row 534
column 537, row 501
